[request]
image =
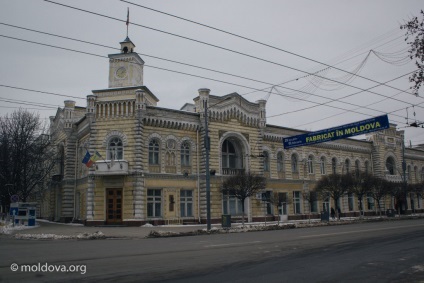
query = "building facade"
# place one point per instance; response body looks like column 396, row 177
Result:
column 151, row 160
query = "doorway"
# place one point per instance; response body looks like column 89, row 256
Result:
column 113, row 206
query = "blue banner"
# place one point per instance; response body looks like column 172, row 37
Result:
column 341, row 132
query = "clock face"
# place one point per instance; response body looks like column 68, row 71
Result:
column 121, row 73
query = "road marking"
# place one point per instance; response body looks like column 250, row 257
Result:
column 360, row 231
column 233, row 244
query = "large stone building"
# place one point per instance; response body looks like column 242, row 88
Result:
column 152, row 164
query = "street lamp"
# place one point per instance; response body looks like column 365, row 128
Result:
column 208, row 176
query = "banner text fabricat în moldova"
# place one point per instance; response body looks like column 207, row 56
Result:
column 340, row 132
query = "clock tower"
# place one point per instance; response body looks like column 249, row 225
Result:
column 126, row 67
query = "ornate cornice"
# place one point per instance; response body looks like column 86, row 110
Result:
column 170, row 124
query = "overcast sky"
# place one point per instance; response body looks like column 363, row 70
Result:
column 338, row 33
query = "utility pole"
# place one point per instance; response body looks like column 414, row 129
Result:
column 404, row 173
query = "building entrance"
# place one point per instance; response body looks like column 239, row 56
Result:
column 114, row 206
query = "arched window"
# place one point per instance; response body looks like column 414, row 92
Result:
column 294, row 166
column 408, row 173
column 334, row 165
column 347, row 166
column 266, row 161
column 115, row 149
column 422, row 174
column 185, row 154
column 357, row 166
column 322, row 165
column 154, row 152
column 228, row 155
column 367, row 167
column 416, row 173
column 390, row 165
column 280, row 162
column 310, row 164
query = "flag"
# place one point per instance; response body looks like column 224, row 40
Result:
column 128, row 17
column 86, row 159
column 93, row 159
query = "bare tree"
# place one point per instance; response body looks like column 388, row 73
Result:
column 415, row 29
column 242, row 186
column 311, row 197
column 415, row 190
column 26, row 156
column 361, row 185
column 399, row 192
column 380, row 189
column 335, row 186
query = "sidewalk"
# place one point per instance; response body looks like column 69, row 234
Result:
column 46, row 227
column 54, row 230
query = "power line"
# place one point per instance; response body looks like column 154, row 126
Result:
column 102, row 45
column 39, row 91
column 102, row 56
column 142, row 54
column 15, row 101
column 331, row 116
column 385, row 43
column 257, row 42
column 209, row 44
column 346, row 96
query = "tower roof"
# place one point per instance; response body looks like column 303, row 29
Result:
column 127, row 40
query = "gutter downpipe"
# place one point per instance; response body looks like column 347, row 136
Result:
column 75, row 180
column 198, row 176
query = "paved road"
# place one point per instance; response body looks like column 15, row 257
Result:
column 368, row 252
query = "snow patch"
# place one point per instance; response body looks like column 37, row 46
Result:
column 82, row 236
column 8, row 228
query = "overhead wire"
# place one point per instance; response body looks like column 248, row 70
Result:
column 254, row 41
column 205, row 43
column 69, row 38
column 159, row 68
column 102, row 56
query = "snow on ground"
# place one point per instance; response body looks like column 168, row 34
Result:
column 8, row 228
column 81, row 236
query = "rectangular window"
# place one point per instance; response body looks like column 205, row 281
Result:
column 269, row 206
column 154, row 203
column 326, row 203
column 282, row 203
column 231, row 205
column 370, row 201
column 350, row 201
column 296, row 202
column 419, row 201
column 186, row 203
column 314, row 202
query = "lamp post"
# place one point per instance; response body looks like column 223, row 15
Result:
column 208, row 175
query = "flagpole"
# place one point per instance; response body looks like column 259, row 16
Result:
column 128, row 19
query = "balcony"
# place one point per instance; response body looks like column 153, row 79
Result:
column 104, row 167
column 394, row 178
column 232, row 171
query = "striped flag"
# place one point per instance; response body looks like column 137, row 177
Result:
column 86, row 159
column 93, row 159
